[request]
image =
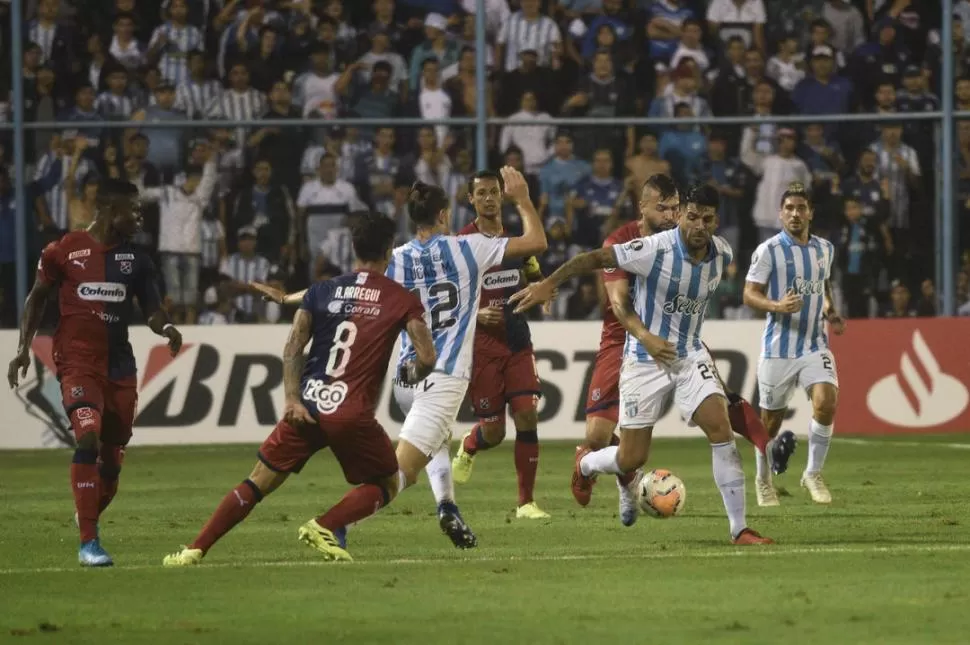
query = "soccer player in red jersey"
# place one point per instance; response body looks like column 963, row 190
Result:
column 504, row 367
column 352, row 323
column 96, row 274
column 659, row 209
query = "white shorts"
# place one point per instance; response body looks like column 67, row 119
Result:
column 646, row 387
column 777, row 377
column 431, row 408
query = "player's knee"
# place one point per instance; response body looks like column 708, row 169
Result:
column 526, row 420
column 265, row 480
column 389, row 485
column 772, row 420
column 824, row 402
column 88, row 441
column 493, row 429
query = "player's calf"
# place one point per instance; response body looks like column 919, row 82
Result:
column 109, row 469
column 527, row 461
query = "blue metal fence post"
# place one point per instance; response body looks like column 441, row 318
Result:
column 481, row 89
column 948, row 190
column 20, row 178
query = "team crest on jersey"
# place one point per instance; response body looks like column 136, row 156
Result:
column 435, row 254
column 821, row 263
column 632, row 408
column 361, row 278
column 597, row 394
column 83, row 253
column 77, row 392
column 483, row 404
column 126, row 267
column 636, row 245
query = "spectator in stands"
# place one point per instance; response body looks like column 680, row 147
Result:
column 432, row 101
column 820, row 35
column 899, row 302
column 859, row 253
column 535, row 141
column 646, row 162
column 690, row 45
column 382, row 174
column 346, row 34
column 664, row 21
column 754, row 73
column 510, row 214
column 323, row 204
column 527, row 77
column 282, row 147
column 558, row 176
column 732, row 180
column 124, row 47
column 777, row 172
column 593, row 202
column 172, row 42
column 602, row 94
column 867, row 189
column 848, row 26
column 823, row 92
column 496, row 14
column 264, row 204
column 684, row 91
column 335, row 250
column 241, row 268
column 961, row 94
column 961, row 53
column 266, row 62
column 881, row 60
column 8, row 251
column 380, row 52
column 462, row 90
column 744, row 18
column 214, row 250
column 683, row 147
column 729, row 79
column 385, row 21
column 53, row 199
column 197, row 91
column 240, row 37
column 765, row 134
column 377, row 99
column 432, row 165
column 57, row 40
column 85, row 112
column 82, row 204
column 217, row 307
column 823, row 156
column 239, row 102
column 315, row 91
column 115, row 104
column 437, row 47
column 898, row 163
column 787, row 66
column 164, row 144
column 613, row 17
column 728, row 298
column 584, row 304
column 928, row 305
column 526, row 29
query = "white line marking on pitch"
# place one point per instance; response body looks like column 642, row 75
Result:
column 904, row 444
column 657, row 555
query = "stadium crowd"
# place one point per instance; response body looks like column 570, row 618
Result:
column 227, row 205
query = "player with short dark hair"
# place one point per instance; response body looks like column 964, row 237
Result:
column 351, row 323
column 678, row 272
column 504, row 365
column 96, row 274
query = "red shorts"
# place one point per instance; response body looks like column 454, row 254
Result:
column 362, row 448
column 509, row 379
column 117, row 401
column 603, row 397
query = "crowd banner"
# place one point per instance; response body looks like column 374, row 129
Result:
column 226, row 385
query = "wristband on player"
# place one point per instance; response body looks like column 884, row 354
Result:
column 166, row 327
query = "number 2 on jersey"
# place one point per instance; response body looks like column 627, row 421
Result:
column 446, row 294
column 343, row 339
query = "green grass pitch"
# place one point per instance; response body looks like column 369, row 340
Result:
column 887, row 563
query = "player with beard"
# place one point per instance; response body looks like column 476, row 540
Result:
column 678, row 272
column 504, row 367
column 96, row 274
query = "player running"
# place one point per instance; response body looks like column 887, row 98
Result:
column 351, row 323
column 659, row 208
column 96, row 274
column 504, row 365
column 677, row 273
column 790, row 280
column 448, row 273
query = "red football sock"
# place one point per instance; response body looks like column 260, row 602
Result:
column 110, row 471
column 357, row 504
column 475, row 441
column 526, row 464
column 746, row 422
column 86, row 485
column 232, row 510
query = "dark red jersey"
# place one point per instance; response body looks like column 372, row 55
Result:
column 96, row 285
column 498, row 285
column 613, row 332
column 357, row 318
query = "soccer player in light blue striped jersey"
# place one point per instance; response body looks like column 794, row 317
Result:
column 446, row 272
column 677, row 272
column 790, row 280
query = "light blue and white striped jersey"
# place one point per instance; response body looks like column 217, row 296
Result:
column 446, row 274
column 786, row 266
column 671, row 293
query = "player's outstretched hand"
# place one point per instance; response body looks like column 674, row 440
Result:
column 790, row 304
column 490, row 316
column 174, row 337
column 837, row 322
column 662, row 351
column 516, row 186
column 270, row 294
column 18, row 369
column 534, row 294
column 295, row 413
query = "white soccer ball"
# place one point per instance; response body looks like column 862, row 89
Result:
column 661, row 494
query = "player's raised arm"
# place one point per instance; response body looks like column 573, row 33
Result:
column 296, row 342
column 533, row 239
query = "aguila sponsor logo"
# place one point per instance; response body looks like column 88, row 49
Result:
column 501, row 279
column 102, row 291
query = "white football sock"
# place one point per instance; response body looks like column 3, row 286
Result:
column 439, row 475
column 763, row 473
column 729, row 477
column 600, row 461
column 819, row 437
column 402, row 481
